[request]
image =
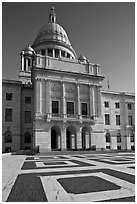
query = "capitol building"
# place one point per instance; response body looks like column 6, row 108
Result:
column 58, row 102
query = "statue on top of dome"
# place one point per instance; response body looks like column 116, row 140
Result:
column 52, row 16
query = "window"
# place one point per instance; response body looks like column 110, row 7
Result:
column 117, row 105
column 55, row 106
column 56, row 53
column 84, row 109
column 107, row 119
column 70, row 108
column 107, row 137
column 28, row 99
column 129, row 105
column 9, row 96
column 119, row 147
column 132, row 137
column 62, row 53
column 27, row 138
column 28, row 61
column 8, row 114
column 118, row 137
column 106, row 104
column 130, row 120
column 50, row 52
column 68, row 55
column 117, row 119
column 27, row 116
column 8, row 137
column 42, row 52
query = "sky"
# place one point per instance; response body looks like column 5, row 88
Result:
column 104, row 32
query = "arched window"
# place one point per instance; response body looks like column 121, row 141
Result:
column 132, row 137
column 107, row 137
column 8, row 137
column 27, row 137
column 118, row 137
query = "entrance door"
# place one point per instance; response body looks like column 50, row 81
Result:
column 54, row 144
column 68, row 139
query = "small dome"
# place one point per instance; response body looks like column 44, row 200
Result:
column 82, row 58
column 29, row 50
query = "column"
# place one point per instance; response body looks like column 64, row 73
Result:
column 59, row 53
column 99, row 103
column 22, row 62
column 48, row 96
column 87, row 139
column 37, row 96
column 78, row 99
column 59, row 141
column 79, row 139
column 53, row 53
column 40, row 95
column 73, row 140
column 92, row 101
column 63, row 139
column 43, row 95
column 26, row 64
column 63, row 100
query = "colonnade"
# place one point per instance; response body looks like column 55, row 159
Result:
column 43, row 100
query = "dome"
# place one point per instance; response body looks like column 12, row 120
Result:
column 53, row 33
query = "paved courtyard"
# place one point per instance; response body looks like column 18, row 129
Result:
column 108, row 177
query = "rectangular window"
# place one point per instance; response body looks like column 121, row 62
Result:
column 8, row 114
column 70, row 108
column 62, row 53
column 107, row 119
column 117, row 105
column 130, row 122
column 9, row 96
column 55, row 107
column 50, row 52
column 56, row 53
column 106, row 103
column 68, row 55
column 28, row 99
column 27, row 116
column 117, row 119
column 129, row 105
column 42, row 52
column 84, row 110
column 28, row 61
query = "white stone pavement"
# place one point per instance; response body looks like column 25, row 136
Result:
column 11, row 165
column 54, row 191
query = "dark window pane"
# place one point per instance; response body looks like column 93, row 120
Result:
column 106, row 104
column 8, row 137
column 27, row 116
column 50, row 52
column 129, row 120
column 27, row 99
column 8, row 114
column 55, row 107
column 27, row 137
column 70, row 108
column 8, row 96
column 62, row 53
column 117, row 105
column 56, row 53
column 107, row 137
column 107, row 119
column 84, row 108
column 42, row 52
column 129, row 106
column 117, row 119
column 118, row 137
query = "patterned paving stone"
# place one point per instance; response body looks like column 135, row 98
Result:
column 88, row 177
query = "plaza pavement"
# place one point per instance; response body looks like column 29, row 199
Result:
column 115, row 168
